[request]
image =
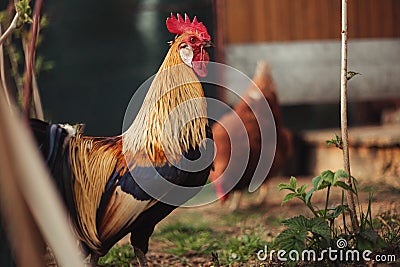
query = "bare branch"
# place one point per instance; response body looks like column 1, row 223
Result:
column 343, row 113
column 37, row 103
column 31, row 58
column 10, row 29
column 3, row 74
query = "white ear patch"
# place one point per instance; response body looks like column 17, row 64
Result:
column 186, row 53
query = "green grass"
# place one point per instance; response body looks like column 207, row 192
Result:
column 184, row 239
column 274, row 220
column 388, row 224
column 194, row 237
column 119, row 256
column 187, row 240
column 243, row 247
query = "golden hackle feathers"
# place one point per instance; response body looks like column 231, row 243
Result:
column 173, row 113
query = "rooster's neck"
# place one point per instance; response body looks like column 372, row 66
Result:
column 173, row 116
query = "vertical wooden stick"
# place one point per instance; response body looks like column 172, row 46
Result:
column 30, row 58
column 343, row 113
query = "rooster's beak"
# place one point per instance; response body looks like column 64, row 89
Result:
column 208, row 44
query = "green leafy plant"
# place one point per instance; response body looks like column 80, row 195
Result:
column 337, row 141
column 24, row 10
column 326, row 179
column 312, row 233
column 304, row 233
column 322, row 231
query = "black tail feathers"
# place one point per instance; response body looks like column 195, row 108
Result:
column 50, row 139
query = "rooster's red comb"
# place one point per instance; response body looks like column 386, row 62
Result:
column 180, row 25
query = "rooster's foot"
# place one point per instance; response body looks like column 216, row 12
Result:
column 141, row 257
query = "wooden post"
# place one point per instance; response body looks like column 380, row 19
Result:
column 343, row 113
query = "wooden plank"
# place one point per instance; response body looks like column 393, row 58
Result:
column 324, row 20
column 371, row 148
column 274, row 20
column 334, row 19
column 290, row 20
column 364, row 19
column 267, row 21
column 259, row 20
column 312, row 10
column 282, row 25
column 297, row 23
column 353, row 19
column 285, row 18
column 386, row 16
column 396, row 18
column 239, row 25
column 376, row 18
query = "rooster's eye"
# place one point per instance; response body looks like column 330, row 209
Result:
column 192, row 40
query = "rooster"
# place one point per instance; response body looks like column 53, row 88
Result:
column 105, row 181
column 262, row 83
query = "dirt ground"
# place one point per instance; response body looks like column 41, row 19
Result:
column 267, row 215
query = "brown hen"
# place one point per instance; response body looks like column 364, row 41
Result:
column 226, row 152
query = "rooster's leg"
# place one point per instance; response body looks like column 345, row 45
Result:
column 141, row 257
